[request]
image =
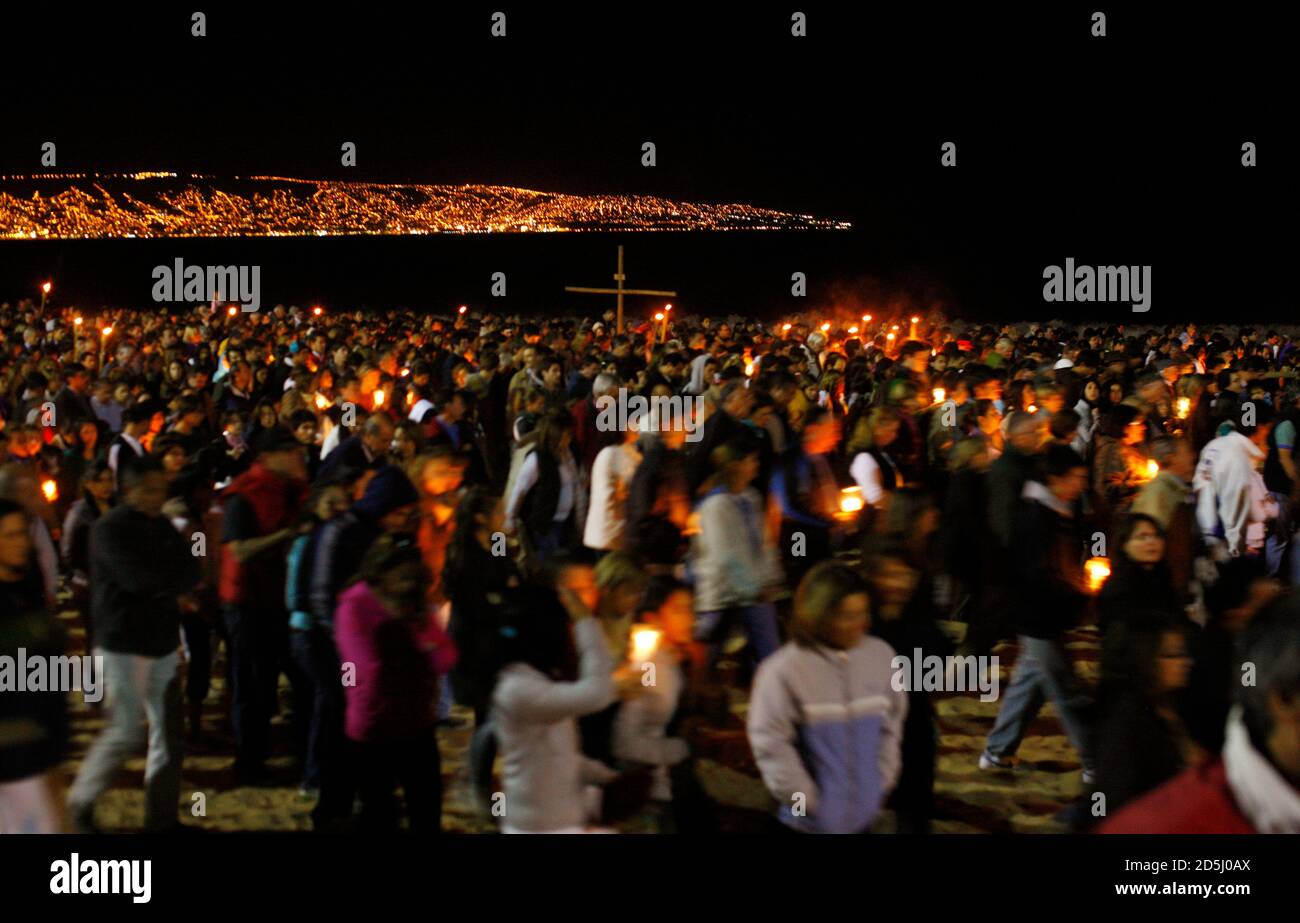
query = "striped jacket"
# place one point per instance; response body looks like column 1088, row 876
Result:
column 826, row 725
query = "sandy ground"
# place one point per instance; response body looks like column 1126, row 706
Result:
column 968, row 800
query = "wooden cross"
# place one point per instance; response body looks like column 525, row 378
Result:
column 620, row 291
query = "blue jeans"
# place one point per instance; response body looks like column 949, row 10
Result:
column 758, row 621
column 1280, row 548
column 1042, row 672
column 314, row 653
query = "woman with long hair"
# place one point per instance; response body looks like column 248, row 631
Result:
column 546, row 500
column 384, row 628
column 872, row 468
column 1141, row 586
column 1141, row 740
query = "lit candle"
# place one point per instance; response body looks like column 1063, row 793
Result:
column 76, row 321
column 316, row 311
column 1183, row 407
column 826, row 328
column 45, row 290
column 854, row 330
column 850, row 502
column 51, row 490
column 939, row 395
column 379, row 398
column 1153, row 468
column 644, row 642
column 232, row 310
column 1097, row 569
column 322, row 402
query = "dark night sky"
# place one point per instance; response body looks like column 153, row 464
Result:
column 1117, row 150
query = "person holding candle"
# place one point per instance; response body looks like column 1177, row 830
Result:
column 825, row 722
column 661, row 651
column 555, row 668
column 1047, row 597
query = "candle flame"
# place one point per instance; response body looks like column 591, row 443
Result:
column 1183, row 407
column 107, row 331
column 939, row 394
column 644, row 641
column 1153, row 468
column 46, row 288
column 77, row 321
column 1097, row 569
column 51, row 490
column 322, row 402
column 851, row 500
column 379, row 398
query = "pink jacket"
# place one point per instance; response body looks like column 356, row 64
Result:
column 392, row 688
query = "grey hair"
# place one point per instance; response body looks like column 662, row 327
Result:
column 604, row 383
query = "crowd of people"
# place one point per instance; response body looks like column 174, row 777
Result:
column 385, row 514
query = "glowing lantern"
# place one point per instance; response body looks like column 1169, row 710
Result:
column 51, row 490
column 1097, row 569
column 850, row 502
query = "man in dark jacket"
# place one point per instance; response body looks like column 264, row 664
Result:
column 140, row 567
column 1027, row 434
column 1047, row 598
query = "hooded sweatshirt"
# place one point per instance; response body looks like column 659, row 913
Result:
column 1232, row 503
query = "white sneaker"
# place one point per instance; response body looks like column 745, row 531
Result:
column 989, row 761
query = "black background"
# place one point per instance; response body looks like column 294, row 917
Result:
column 1117, row 150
